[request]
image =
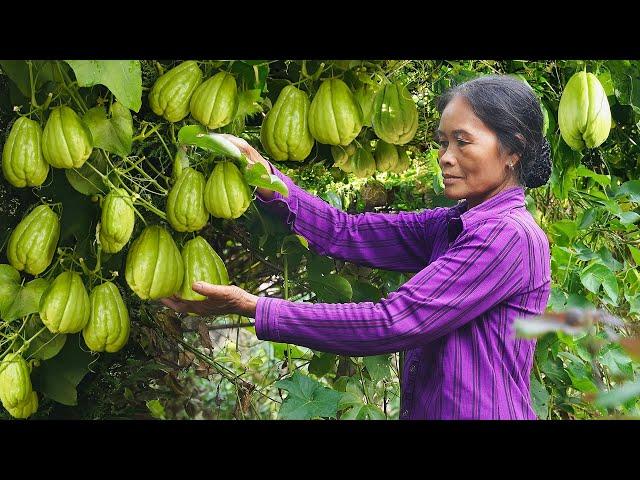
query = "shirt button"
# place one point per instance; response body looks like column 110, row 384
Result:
column 413, row 368
column 405, row 413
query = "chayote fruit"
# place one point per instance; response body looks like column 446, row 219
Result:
column 109, row 325
column 335, row 117
column 16, row 392
column 386, row 156
column 285, row 131
column 171, row 95
column 395, row 115
column 66, row 140
column 185, row 204
column 116, row 221
column 584, row 116
column 23, row 164
column 33, row 242
column 154, row 267
column 64, row 306
column 201, row 263
column 226, row 194
column 215, row 102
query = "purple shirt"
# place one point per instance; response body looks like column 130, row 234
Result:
column 478, row 270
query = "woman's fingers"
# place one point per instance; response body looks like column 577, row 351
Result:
column 215, row 292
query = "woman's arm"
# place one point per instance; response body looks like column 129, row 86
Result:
column 402, row 241
column 481, row 269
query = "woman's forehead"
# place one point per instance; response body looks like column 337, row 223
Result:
column 458, row 118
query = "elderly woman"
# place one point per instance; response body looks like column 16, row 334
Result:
column 480, row 265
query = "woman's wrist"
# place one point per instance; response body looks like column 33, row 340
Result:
column 247, row 304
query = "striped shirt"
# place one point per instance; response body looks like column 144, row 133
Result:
column 477, row 270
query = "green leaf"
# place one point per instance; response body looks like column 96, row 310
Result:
column 540, row 399
column 564, row 232
column 322, row 363
column 363, row 412
column 365, row 292
column 608, row 260
column 579, row 374
column 18, row 72
column 616, row 360
column 628, row 218
column 331, row 288
column 211, row 142
column 626, row 82
column 112, row 133
column 378, row 366
column 585, row 253
column 618, row 396
column 588, row 217
column 122, row 77
column 634, row 303
column 603, row 180
column 630, row 189
column 332, row 198
column 256, row 174
column 156, row 409
column 251, row 74
column 307, row 399
column 27, row 299
column 319, row 266
column 58, row 377
column 557, row 300
column 9, row 287
column 85, row 179
column 248, row 102
column 635, row 253
column 596, row 275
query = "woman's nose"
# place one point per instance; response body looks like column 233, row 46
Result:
column 447, row 158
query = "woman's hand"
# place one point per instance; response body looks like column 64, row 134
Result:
column 253, row 156
column 221, row 300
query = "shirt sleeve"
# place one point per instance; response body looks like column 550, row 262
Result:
column 402, row 241
column 480, row 270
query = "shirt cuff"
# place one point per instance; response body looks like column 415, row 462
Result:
column 267, row 312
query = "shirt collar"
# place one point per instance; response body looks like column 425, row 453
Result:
column 496, row 206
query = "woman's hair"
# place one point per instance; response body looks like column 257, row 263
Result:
column 510, row 108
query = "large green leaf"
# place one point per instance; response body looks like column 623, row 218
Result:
column 378, row 366
column 331, row 288
column 27, row 299
column 122, row 77
column 58, row 377
column 216, row 143
column 257, row 175
column 307, row 399
column 595, row 275
column 112, row 133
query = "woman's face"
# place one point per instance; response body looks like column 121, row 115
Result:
column 473, row 164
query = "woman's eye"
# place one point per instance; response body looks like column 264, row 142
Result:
column 461, row 142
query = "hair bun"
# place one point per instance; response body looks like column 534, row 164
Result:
column 539, row 170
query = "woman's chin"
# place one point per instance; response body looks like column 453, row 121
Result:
column 453, row 193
